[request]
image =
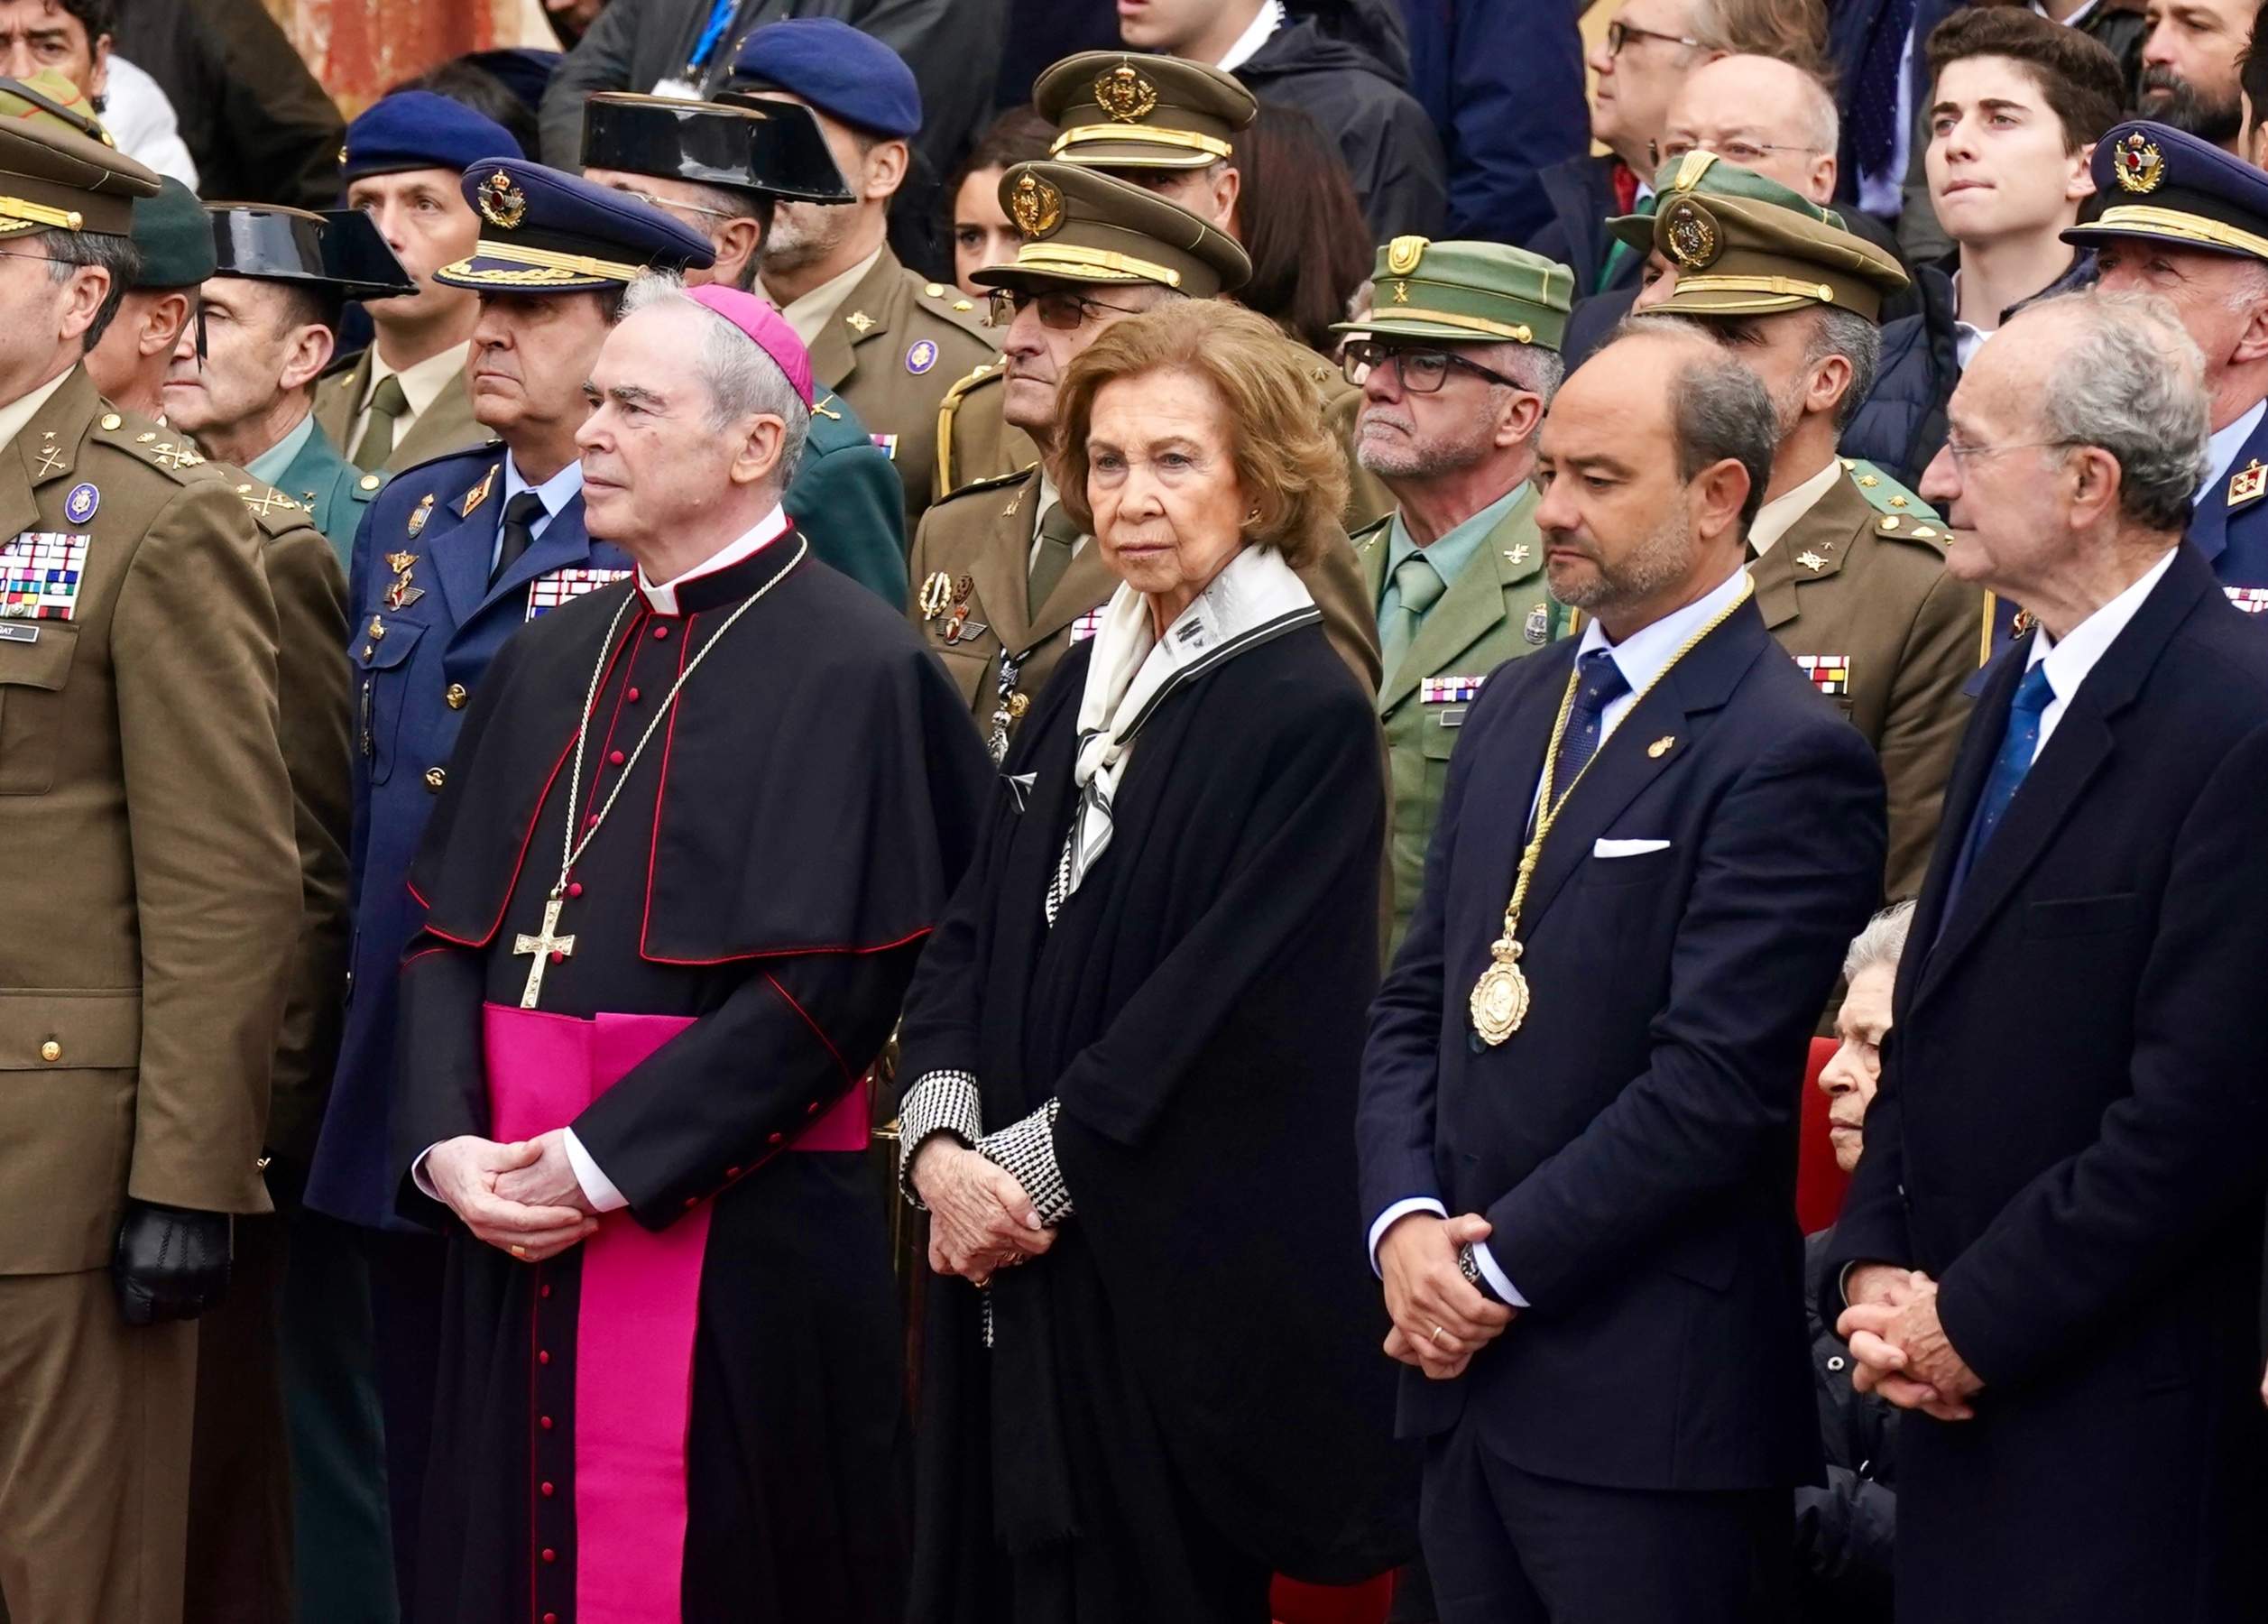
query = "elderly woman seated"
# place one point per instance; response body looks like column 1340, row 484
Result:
column 1844, row 1532
column 1150, row 1373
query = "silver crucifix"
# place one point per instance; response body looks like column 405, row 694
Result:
column 543, row 947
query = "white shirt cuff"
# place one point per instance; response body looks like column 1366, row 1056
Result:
column 597, row 1188
column 1400, row 1209
column 417, row 1172
column 1498, row 1281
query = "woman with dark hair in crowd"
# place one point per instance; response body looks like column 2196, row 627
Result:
column 979, row 229
column 1297, row 217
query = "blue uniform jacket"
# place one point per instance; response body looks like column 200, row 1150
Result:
column 418, row 651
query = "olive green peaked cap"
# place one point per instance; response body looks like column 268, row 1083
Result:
column 1467, row 293
column 1124, row 109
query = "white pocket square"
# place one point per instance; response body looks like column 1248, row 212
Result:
column 1627, row 848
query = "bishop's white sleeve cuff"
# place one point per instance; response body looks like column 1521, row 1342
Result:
column 597, row 1188
column 1386, row 1220
column 1498, row 1281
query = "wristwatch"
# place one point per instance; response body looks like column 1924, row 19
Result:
column 1469, row 1266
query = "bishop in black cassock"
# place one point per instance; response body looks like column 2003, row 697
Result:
column 697, row 1412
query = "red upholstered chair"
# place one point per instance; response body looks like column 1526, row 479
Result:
column 1296, row 1603
column 1818, row 1182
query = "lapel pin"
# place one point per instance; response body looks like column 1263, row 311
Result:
column 2248, row 483
column 1661, row 746
column 1515, row 555
column 1811, row 561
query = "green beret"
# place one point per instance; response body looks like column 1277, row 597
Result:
column 172, row 238
column 1467, row 293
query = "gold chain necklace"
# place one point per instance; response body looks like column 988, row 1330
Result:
column 1500, row 997
column 548, row 943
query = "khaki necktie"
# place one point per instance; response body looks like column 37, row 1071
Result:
column 1059, row 540
column 1419, row 585
column 387, row 404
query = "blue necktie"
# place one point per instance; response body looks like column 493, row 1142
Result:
column 1599, row 683
column 2018, row 747
column 1874, row 111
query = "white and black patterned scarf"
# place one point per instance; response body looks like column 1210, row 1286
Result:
column 1255, row 598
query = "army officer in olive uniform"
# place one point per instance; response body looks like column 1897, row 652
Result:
column 1456, row 380
column 1848, row 565
column 146, row 978
column 881, row 337
column 1004, row 582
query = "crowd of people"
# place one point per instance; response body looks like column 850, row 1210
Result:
column 1022, row 813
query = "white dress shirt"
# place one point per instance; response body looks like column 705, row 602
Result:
column 1264, row 25
column 141, row 119
column 2068, row 660
column 1641, row 657
column 554, row 493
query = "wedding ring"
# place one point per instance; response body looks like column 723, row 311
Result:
column 1435, row 1337
column 522, row 1252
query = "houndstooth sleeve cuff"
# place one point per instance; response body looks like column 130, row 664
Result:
column 1025, row 1150
column 939, row 1101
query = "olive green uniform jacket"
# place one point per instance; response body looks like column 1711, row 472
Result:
column 1496, row 610
column 448, row 424
column 147, row 811
column 971, row 570
column 1857, row 591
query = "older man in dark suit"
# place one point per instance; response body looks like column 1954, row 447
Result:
column 1601, row 1078
column 2053, row 1248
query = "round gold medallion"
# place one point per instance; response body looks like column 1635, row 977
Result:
column 1125, row 95
column 1036, row 206
column 1500, row 997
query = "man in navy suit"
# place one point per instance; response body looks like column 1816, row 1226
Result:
column 453, row 557
column 1578, row 1113
column 2053, row 1248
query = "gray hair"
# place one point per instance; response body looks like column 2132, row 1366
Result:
column 71, row 251
column 742, row 380
column 1881, row 944
column 1858, row 340
column 1722, row 410
column 2130, row 382
column 1535, row 369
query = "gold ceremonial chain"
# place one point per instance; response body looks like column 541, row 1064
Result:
column 549, row 941
column 1500, row 997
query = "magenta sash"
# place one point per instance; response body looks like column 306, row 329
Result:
column 641, row 1302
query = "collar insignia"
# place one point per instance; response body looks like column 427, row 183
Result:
column 2248, row 483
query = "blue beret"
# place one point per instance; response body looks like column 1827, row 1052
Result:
column 849, row 76
column 544, row 231
column 2157, row 182
column 418, row 130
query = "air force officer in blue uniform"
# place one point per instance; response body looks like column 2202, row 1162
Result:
column 1579, row 1112
column 454, row 556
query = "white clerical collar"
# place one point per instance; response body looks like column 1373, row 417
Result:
column 1646, row 653
column 1264, row 25
column 1776, row 517
column 663, row 599
column 2221, row 450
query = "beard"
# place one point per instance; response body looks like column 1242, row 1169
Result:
column 2171, row 99
column 1404, row 456
column 1665, row 554
column 802, row 233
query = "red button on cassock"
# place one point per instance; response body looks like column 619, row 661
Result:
column 543, row 1291
column 632, row 696
column 660, row 632
column 542, row 1356
column 576, row 889
column 617, row 758
column 559, row 958
column 551, row 1619
column 731, row 1172
column 550, row 1554
column 547, row 1491
column 544, row 1422
column 590, row 822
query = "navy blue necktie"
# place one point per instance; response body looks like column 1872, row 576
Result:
column 1874, row 101
column 2018, row 746
column 1599, row 683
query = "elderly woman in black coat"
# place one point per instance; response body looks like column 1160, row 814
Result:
column 1151, row 1375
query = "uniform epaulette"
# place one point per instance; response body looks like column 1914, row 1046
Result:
column 491, row 448
column 1917, row 520
column 993, row 484
column 275, row 512
column 950, row 404
column 949, row 304
column 154, row 443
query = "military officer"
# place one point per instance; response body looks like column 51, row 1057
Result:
column 2189, row 223
column 454, row 555
column 1455, row 383
column 407, row 398
column 242, row 378
column 1004, row 582
column 1848, row 565
column 721, row 170
column 1167, row 126
column 882, row 338
column 172, row 255
column 138, row 693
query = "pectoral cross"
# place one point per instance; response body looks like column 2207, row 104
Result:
column 543, row 945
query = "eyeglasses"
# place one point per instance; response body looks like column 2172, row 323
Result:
column 1422, row 371
column 1748, row 154
column 1060, row 309
column 1963, row 455
column 1620, row 34
column 670, row 205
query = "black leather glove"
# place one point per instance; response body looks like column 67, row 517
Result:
column 171, row 1263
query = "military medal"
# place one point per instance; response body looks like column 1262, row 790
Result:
column 478, row 493
column 2249, row 483
column 418, row 516
column 1500, row 997
column 1537, row 628
column 937, row 593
